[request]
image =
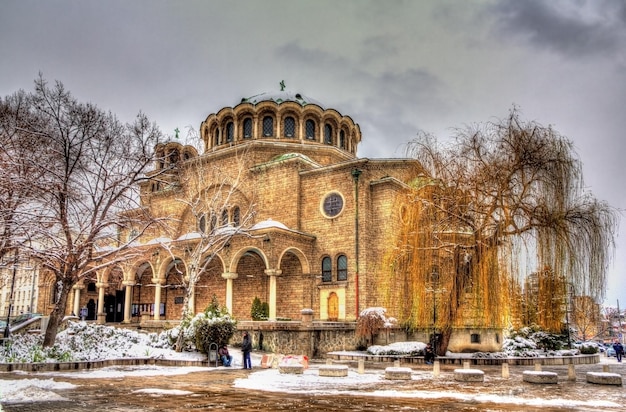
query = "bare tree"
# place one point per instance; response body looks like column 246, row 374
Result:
column 16, row 175
column 87, row 165
column 221, row 205
column 585, row 317
column 502, row 199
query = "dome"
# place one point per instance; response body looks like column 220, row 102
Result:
column 280, row 97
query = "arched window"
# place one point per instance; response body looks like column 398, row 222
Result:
column 290, row 127
column 268, row 126
column 247, row 128
column 173, row 157
column 230, row 132
column 342, row 139
column 224, row 220
column 328, row 134
column 310, row 129
column 202, row 223
column 236, row 216
column 213, row 225
column 216, row 137
column 342, row 267
column 327, row 270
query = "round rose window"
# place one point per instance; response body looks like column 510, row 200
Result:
column 333, row 204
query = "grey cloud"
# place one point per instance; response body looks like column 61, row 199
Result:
column 592, row 28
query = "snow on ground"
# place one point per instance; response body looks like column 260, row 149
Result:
column 94, row 342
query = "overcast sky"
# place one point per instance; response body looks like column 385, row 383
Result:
column 395, row 67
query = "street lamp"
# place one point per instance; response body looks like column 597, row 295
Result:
column 7, row 329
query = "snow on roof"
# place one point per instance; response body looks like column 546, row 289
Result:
column 269, row 223
column 159, row 240
column 190, row 235
column 280, row 97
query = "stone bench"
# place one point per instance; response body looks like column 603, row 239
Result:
column 333, row 370
column 291, row 368
column 540, row 377
column 604, row 378
column 469, row 375
column 398, row 373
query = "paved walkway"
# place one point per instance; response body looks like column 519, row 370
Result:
column 213, row 389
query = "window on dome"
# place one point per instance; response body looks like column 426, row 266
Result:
column 224, row 220
column 342, row 139
column 230, row 132
column 290, row 127
column 328, row 134
column 217, row 137
column 327, row 270
column 247, row 128
column 342, row 267
column 268, row 126
column 310, row 129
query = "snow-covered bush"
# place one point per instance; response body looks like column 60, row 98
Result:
column 82, row 341
column 214, row 325
column 398, row 349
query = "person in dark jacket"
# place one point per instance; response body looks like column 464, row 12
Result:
column 429, row 354
column 246, row 348
column 619, row 350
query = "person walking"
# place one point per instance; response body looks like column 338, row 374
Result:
column 619, row 350
column 246, row 348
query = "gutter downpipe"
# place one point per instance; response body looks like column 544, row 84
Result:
column 355, row 176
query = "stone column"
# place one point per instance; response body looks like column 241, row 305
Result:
column 157, row 297
column 229, row 276
column 128, row 300
column 273, row 273
column 101, row 317
column 76, row 307
column 192, row 299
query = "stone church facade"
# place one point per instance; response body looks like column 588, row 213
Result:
column 322, row 220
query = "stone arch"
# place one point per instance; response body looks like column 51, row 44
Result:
column 242, row 252
column 306, row 267
column 210, row 283
column 294, row 286
column 171, row 276
column 143, row 288
column 250, row 265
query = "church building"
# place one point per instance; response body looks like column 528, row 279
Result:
column 315, row 219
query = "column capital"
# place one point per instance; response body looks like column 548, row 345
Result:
column 273, row 272
column 158, row 281
column 78, row 286
column 230, row 275
column 128, row 283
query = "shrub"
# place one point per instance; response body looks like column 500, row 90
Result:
column 214, row 325
column 260, row 310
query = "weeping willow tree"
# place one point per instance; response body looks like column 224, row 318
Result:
column 504, row 198
column 545, row 300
